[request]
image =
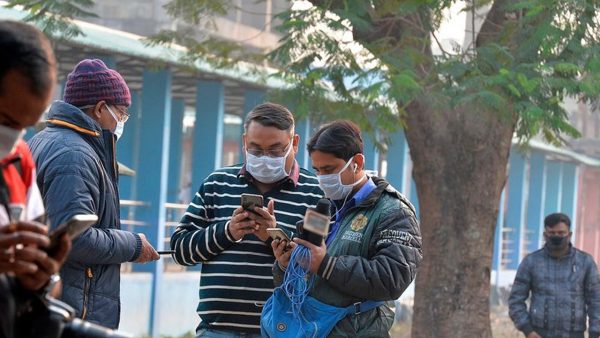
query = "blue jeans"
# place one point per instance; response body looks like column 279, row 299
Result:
column 212, row 333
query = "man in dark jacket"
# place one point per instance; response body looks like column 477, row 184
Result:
column 77, row 174
column 373, row 249
column 564, row 287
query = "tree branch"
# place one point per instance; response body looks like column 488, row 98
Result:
column 494, row 23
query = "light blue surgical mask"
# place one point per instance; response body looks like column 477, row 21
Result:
column 118, row 131
column 332, row 185
column 267, row 169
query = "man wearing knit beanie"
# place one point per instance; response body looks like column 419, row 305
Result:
column 78, row 174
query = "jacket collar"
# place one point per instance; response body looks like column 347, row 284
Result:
column 384, row 186
column 569, row 253
column 62, row 114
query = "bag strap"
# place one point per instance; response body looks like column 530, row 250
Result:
column 361, row 307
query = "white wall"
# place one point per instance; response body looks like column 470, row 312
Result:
column 177, row 306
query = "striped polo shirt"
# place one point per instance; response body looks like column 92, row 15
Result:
column 236, row 277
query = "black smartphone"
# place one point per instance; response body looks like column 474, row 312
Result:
column 73, row 228
column 249, row 201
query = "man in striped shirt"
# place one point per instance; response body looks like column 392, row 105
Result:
column 232, row 243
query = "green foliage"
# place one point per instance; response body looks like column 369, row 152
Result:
column 537, row 53
column 198, row 11
column 54, row 17
column 547, row 52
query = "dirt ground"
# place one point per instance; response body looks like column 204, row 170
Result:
column 502, row 327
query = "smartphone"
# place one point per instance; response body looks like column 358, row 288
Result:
column 73, row 228
column 249, row 201
column 277, row 233
column 316, row 223
column 166, row 252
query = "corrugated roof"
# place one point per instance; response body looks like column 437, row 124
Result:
column 562, row 152
column 109, row 40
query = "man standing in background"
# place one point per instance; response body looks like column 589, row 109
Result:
column 564, row 286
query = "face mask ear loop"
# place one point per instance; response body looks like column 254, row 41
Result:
column 345, row 198
column 285, row 158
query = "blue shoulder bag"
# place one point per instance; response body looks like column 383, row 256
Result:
column 290, row 312
column 316, row 319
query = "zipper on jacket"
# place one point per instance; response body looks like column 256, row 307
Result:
column 86, row 291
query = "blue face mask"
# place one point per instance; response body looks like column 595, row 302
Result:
column 267, row 169
column 332, row 185
column 118, row 131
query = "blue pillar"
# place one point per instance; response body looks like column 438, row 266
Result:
column 252, row 98
column 569, row 194
column 414, row 196
column 63, row 83
column 126, row 147
column 176, row 149
column 553, row 198
column 397, row 161
column 109, row 60
column 371, row 152
column 303, row 129
column 208, row 130
column 535, row 200
column 515, row 220
column 154, row 172
column 497, row 255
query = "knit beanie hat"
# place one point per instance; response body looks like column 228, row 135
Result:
column 91, row 81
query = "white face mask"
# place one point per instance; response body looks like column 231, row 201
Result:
column 332, row 185
column 118, row 131
column 267, row 169
column 8, row 139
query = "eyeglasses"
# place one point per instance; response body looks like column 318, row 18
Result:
column 123, row 114
column 276, row 152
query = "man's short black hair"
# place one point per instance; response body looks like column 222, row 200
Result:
column 553, row 219
column 271, row 115
column 339, row 138
column 26, row 49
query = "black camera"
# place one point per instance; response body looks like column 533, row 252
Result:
column 47, row 317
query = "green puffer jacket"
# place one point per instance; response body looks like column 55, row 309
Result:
column 374, row 256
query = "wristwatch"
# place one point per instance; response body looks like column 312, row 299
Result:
column 54, row 279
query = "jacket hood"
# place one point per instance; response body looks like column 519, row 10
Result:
column 69, row 116
column 384, row 186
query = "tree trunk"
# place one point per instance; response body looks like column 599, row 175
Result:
column 460, row 159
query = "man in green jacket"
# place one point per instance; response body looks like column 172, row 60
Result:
column 374, row 246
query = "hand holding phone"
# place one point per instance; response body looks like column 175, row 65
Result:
column 278, row 234
column 73, row 228
column 249, row 201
